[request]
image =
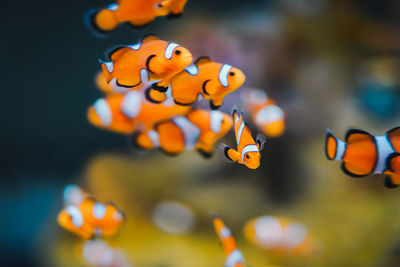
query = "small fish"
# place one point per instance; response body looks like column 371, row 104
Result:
column 150, row 62
column 279, row 235
column 126, row 113
column 363, row 154
column 138, row 13
column 205, row 78
column 234, row 257
column 91, row 219
column 268, row 117
column 200, row 129
column 248, row 150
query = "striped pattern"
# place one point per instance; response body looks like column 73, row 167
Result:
column 223, row 75
column 384, row 148
column 190, row 131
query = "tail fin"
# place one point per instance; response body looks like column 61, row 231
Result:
column 100, row 22
column 334, row 148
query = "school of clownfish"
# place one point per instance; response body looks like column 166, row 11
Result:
column 151, row 88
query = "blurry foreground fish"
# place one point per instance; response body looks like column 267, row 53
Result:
column 130, row 112
column 363, row 154
column 138, row 13
column 279, row 235
column 150, row 62
column 205, row 77
column 91, row 219
column 268, row 117
column 200, row 129
column 234, row 257
column 248, row 150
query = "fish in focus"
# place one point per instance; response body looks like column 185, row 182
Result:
column 363, row 154
column 91, row 219
column 126, row 113
column 205, row 78
column 150, row 62
column 138, row 13
column 199, row 129
column 248, row 150
column 234, row 257
column 280, row 235
column 268, row 117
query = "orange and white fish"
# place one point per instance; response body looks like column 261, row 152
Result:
column 268, row 117
column 234, row 257
column 363, row 154
column 126, row 113
column 205, row 77
column 138, row 13
column 248, row 150
column 280, row 235
column 200, row 129
column 150, row 62
column 91, row 219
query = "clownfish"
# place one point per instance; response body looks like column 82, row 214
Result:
column 248, row 150
column 268, row 117
column 126, row 113
column 91, row 219
column 279, row 235
column 363, row 154
column 150, row 62
column 200, row 129
column 138, row 13
column 234, row 257
column 205, row 78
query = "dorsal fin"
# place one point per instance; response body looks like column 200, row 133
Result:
column 115, row 52
column 202, row 60
column 149, row 37
column 394, row 131
column 354, row 135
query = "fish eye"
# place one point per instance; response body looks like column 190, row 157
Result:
column 231, row 73
column 177, row 52
column 247, row 156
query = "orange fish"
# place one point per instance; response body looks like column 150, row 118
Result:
column 248, row 150
column 268, row 117
column 200, row 129
column 138, row 13
column 126, row 113
column 279, row 235
column 150, row 62
column 363, row 154
column 209, row 79
column 234, row 257
column 91, row 219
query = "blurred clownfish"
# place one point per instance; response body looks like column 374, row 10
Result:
column 248, row 150
column 126, row 113
column 150, row 62
column 363, row 154
column 138, row 13
column 209, row 79
column 200, row 129
column 91, row 219
column 268, row 117
column 234, row 257
column 279, row 235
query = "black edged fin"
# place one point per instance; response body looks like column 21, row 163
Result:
column 138, row 27
column 148, row 63
column 174, row 16
column 344, row 169
column 261, row 140
column 204, row 87
column 183, row 104
column 202, row 60
column 161, row 89
column 213, row 107
column 205, row 154
column 134, row 142
column 356, row 131
column 226, row 149
column 89, row 20
column 114, row 52
column 329, row 134
column 388, row 183
column 394, row 131
column 234, row 111
column 149, row 37
column 389, row 161
column 149, row 98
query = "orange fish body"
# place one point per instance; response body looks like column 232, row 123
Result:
column 200, row 129
column 248, row 150
column 126, row 113
column 234, row 257
column 268, row 117
column 209, row 79
column 91, row 218
column 279, row 235
column 363, row 154
column 150, row 62
column 138, row 13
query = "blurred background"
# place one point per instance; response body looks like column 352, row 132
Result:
column 328, row 64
